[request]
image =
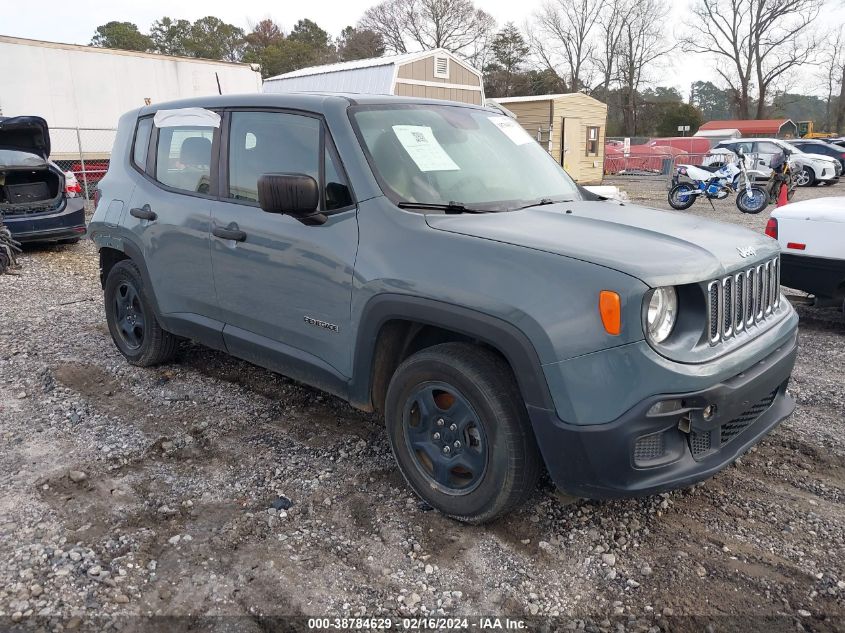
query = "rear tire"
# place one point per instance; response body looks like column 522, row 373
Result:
column 680, row 196
column 460, row 432
column 132, row 322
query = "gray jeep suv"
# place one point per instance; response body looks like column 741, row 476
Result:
column 430, row 261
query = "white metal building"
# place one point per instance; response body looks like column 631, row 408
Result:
column 74, row 86
column 435, row 74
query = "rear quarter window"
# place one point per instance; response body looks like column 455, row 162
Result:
column 141, row 143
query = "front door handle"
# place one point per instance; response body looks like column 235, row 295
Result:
column 228, row 234
column 143, row 213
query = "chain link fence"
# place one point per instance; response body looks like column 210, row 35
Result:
column 84, row 152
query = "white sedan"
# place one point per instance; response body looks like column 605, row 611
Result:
column 811, row 234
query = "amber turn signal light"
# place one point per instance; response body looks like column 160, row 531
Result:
column 610, row 308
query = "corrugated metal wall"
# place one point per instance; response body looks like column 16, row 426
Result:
column 371, row 80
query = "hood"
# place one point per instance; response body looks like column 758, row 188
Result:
column 657, row 247
column 821, row 157
column 26, row 134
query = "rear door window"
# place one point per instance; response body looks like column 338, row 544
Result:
column 183, row 158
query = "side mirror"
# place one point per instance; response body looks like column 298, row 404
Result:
column 296, row 195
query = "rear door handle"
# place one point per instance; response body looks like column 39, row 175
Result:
column 143, row 213
column 228, row 234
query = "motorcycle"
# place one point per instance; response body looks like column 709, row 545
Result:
column 757, row 198
column 716, row 184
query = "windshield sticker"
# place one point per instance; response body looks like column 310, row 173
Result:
column 510, row 128
column 423, row 148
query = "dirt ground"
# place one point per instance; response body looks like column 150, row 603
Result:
column 164, row 492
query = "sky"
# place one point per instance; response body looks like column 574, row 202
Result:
column 75, row 22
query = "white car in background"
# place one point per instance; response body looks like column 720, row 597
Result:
column 813, row 168
column 811, row 234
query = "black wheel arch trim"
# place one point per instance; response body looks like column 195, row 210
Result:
column 510, row 341
column 207, row 331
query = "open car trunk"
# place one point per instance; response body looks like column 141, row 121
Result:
column 29, row 188
column 29, row 183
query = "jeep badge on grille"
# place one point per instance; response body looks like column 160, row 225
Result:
column 746, row 251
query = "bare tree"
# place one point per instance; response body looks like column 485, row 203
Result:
column 456, row 25
column 641, row 44
column 563, row 35
column 388, row 20
column 756, row 43
column 832, row 72
column 612, row 22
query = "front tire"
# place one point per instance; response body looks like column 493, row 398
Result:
column 132, row 322
column 460, row 432
column 752, row 202
column 806, row 177
column 681, row 197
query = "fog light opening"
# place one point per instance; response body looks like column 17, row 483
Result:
column 665, row 406
column 709, row 411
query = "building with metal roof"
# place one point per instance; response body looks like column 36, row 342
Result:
column 780, row 128
column 435, row 74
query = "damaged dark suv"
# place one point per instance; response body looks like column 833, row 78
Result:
column 34, row 204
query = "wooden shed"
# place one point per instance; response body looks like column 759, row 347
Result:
column 435, row 74
column 570, row 126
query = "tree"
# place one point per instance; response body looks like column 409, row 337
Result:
column 123, row 35
column 642, row 43
column 713, row 102
column 359, row 44
column 211, row 38
column 456, row 25
column 265, row 33
column 509, row 50
column 310, row 34
column 611, row 25
column 388, row 20
column 673, row 115
column 170, row 36
column 563, row 37
column 832, row 72
column 286, row 56
column 756, row 42
column 262, row 46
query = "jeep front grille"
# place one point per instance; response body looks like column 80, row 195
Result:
column 741, row 300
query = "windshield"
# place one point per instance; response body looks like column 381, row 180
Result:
column 440, row 154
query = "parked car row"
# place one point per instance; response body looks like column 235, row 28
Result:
column 819, row 161
column 813, row 166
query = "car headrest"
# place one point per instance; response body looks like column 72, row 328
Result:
column 195, row 150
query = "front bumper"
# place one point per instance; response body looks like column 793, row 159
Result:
column 640, row 454
column 65, row 223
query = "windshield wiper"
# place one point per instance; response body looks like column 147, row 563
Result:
column 540, row 203
column 452, row 207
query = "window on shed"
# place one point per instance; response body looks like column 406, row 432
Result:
column 441, row 67
column 592, row 140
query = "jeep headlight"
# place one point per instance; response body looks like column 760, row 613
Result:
column 661, row 313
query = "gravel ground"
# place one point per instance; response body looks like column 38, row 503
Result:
column 211, row 487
